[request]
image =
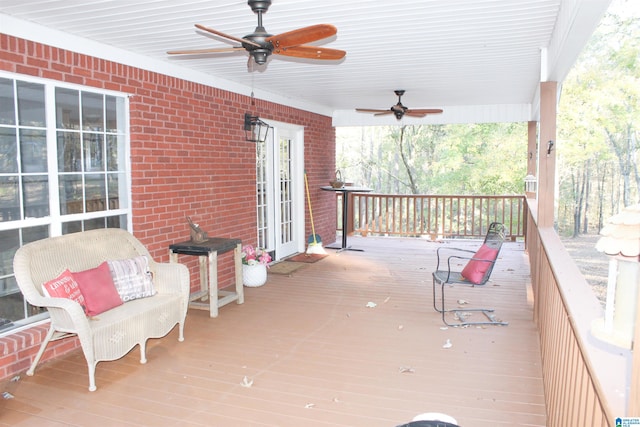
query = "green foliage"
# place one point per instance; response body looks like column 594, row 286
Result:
column 598, row 118
column 436, row 159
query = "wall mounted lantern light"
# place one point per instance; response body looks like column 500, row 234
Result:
column 530, row 185
column 255, row 130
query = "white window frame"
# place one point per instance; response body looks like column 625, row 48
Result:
column 55, row 220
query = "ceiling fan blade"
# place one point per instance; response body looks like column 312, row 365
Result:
column 424, row 111
column 414, row 114
column 369, row 110
column 226, row 36
column 201, row 51
column 383, row 113
column 311, row 52
column 302, row 36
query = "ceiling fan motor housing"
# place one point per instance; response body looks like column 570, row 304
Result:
column 259, row 5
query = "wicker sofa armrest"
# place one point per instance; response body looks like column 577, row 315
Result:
column 171, row 278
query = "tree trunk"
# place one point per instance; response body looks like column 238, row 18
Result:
column 587, row 187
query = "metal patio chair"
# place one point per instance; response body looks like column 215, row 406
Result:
column 476, row 272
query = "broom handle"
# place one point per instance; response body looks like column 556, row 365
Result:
column 313, row 228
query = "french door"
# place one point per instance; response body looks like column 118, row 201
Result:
column 280, row 191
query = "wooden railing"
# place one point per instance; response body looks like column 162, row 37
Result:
column 584, row 381
column 433, row 215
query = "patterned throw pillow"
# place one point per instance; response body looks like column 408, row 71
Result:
column 65, row 286
column 98, row 289
column 132, row 278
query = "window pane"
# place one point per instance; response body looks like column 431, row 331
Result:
column 32, row 234
column 92, row 112
column 9, row 201
column 70, row 189
column 72, row 227
column 7, row 103
column 69, row 152
column 117, row 191
column 11, row 301
column 93, row 152
column 115, row 153
column 67, row 109
column 95, row 193
column 117, row 222
column 35, row 196
column 9, row 244
column 115, row 114
column 31, row 104
column 8, row 151
column 33, row 150
column 94, row 224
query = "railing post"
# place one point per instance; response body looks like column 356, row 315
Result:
column 350, row 208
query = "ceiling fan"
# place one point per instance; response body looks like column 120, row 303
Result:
column 400, row 110
column 261, row 44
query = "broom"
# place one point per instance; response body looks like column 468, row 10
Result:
column 315, row 243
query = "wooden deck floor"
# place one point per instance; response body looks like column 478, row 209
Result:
column 317, row 355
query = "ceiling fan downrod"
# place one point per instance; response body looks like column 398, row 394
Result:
column 259, row 54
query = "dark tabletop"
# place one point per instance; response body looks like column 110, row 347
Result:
column 212, row 244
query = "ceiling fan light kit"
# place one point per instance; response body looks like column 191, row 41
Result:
column 260, row 44
column 400, row 110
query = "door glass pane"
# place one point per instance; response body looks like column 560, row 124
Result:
column 67, row 109
column 31, row 104
column 35, row 191
column 261, row 197
column 33, row 150
column 286, row 202
column 8, row 153
column 92, row 112
column 69, row 152
column 7, row 103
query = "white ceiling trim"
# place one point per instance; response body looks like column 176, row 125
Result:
column 455, row 114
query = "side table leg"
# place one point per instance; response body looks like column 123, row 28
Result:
column 237, row 258
column 213, row 284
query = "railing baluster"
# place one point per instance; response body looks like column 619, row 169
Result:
column 434, row 215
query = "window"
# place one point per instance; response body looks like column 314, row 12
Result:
column 63, row 169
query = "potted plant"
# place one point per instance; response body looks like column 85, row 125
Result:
column 255, row 262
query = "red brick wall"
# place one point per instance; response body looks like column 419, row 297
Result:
column 188, row 157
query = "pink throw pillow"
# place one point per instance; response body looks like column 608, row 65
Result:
column 475, row 270
column 65, row 286
column 96, row 284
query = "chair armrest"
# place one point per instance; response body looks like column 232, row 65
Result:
column 66, row 314
column 446, row 248
column 172, row 278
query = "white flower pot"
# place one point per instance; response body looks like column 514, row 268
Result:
column 254, row 275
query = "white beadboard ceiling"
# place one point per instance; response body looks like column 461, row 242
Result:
column 479, row 60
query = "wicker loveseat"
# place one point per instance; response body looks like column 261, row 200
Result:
column 114, row 332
